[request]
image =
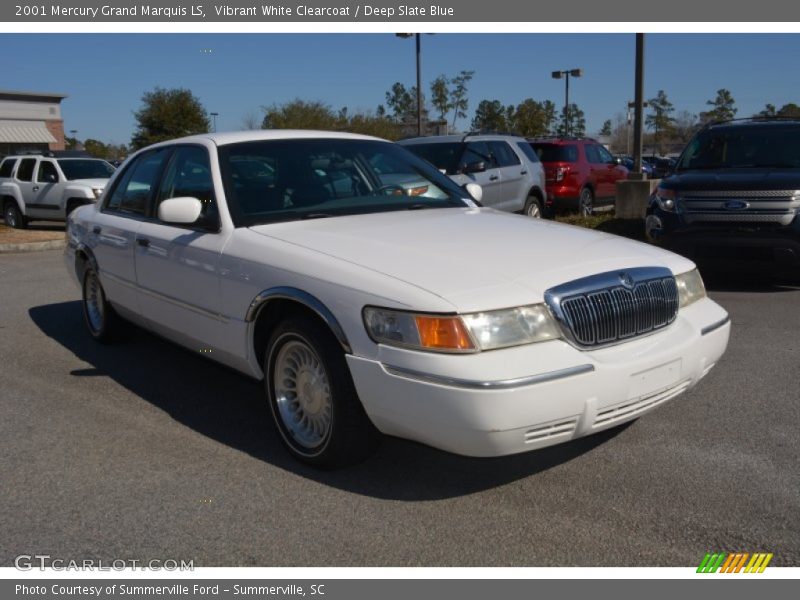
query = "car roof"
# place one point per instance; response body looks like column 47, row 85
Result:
column 757, row 122
column 235, row 137
column 442, row 139
column 561, row 140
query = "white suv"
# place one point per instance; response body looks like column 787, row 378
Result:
column 505, row 166
column 47, row 188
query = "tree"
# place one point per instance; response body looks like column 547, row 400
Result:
column 251, row 120
column 440, row 96
column 299, row 114
column 490, row 115
column 573, row 122
column 96, row 148
column 402, row 102
column 660, row 120
column 769, row 111
column 605, row 131
column 684, row 126
column 459, row 101
column 166, row 114
column 532, row 118
column 723, row 108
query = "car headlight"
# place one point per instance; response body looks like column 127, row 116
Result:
column 461, row 333
column 665, row 199
column 690, row 287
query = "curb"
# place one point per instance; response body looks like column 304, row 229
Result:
column 32, row 246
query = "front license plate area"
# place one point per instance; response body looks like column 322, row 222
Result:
column 654, row 380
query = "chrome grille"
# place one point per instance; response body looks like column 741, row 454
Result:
column 616, row 306
column 768, row 206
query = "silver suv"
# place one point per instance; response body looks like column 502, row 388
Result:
column 505, row 166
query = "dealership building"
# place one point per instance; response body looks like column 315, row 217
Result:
column 30, row 122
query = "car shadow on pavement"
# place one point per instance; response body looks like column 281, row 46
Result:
column 229, row 408
column 750, row 279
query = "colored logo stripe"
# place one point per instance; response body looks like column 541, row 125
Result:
column 734, row 562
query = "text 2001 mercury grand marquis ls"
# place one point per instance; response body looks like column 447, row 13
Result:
column 371, row 294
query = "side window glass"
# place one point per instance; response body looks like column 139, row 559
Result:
column 25, row 170
column 132, row 194
column 47, row 172
column 189, row 174
column 504, row 155
column 7, row 167
column 605, row 155
column 591, row 154
column 478, row 152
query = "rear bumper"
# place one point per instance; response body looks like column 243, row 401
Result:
column 538, row 395
column 562, row 198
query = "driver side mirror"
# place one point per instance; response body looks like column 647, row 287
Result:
column 474, row 167
column 474, row 190
column 183, row 210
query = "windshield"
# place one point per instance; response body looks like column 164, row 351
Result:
column 286, row 180
column 742, row 147
column 442, row 155
column 556, row 152
column 85, row 168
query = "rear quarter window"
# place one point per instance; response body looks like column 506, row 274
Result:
column 556, row 152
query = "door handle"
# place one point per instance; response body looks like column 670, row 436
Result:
column 144, row 242
column 96, row 229
column 494, row 178
column 523, row 172
column 36, row 188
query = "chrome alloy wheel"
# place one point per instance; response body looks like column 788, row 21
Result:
column 303, row 394
column 95, row 302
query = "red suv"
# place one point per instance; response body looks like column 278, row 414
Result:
column 580, row 174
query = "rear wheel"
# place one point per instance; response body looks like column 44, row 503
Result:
column 13, row 217
column 586, row 202
column 533, row 208
column 101, row 320
column 312, row 397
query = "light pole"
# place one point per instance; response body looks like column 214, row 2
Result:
column 566, row 75
column 74, row 134
column 631, row 106
column 214, row 116
column 419, row 77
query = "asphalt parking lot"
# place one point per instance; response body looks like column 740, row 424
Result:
column 143, row 450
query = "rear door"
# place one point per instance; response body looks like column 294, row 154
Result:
column 599, row 170
column 113, row 236
column 24, row 180
column 513, row 177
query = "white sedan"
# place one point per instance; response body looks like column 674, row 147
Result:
column 367, row 305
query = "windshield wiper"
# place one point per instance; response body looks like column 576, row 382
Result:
column 418, row 206
column 315, row 216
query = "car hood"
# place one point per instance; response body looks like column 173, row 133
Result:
column 476, row 259
column 734, row 179
column 95, row 183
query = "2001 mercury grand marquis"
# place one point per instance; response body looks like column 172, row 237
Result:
column 372, row 294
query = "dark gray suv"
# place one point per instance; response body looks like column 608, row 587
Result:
column 734, row 195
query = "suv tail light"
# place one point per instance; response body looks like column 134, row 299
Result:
column 556, row 173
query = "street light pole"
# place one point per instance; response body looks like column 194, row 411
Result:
column 418, row 41
column 566, row 75
column 638, row 108
column 214, row 116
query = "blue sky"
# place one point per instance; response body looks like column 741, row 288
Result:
column 233, row 74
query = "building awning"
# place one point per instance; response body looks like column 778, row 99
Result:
column 25, row 132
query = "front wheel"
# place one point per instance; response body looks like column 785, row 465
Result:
column 586, row 203
column 13, row 217
column 312, row 397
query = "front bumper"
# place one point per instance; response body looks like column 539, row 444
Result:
column 519, row 399
column 726, row 243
